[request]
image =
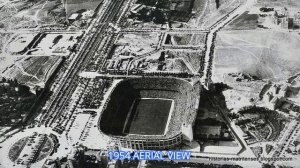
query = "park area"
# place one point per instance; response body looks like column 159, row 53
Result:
column 264, row 124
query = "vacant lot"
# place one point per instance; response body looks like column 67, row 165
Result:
column 194, row 57
column 73, row 6
column 264, row 54
column 31, row 13
column 186, row 39
column 33, row 71
column 244, row 22
column 136, row 44
column 210, row 13
column 148, row 117
column 280, row 3
column 4, row 37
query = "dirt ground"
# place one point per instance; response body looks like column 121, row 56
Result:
column 264, row 54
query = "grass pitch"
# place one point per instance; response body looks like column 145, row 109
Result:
column 148, row 117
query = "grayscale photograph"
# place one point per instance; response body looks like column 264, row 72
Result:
column 149, row 83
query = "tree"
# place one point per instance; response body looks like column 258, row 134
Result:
column 158, row 16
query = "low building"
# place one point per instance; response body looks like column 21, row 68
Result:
column 136, row 8
column 274, row 95
column 273, row 103
column 73, row 17
column 283, row 90
column 209, row 131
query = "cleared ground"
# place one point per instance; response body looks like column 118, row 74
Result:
column 186, row 39
column 4, row 37
column 148, row 117
column 31, row 13
column 33, row 71
column 73, row 6
column 267, row 55
column 136, row 44
column 210, row 12
column 264, row 54
column 281, row 3
column 193, row 57
column 245, row 21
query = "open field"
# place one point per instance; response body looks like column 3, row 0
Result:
column 4, row 37
column 41, row 44
column 44, row 12
column 136, row 44
column 186, row 39
column 194, row 57
column 25, row 14
column 263, row 54
column 18, row 43
column 210, row 13
column 55, row 44
column 73, row 6
column 280, row 3
column 33, row 71
column 7, row 62
column 45, row 52
column 154, row 64
column 244, row 22
column 199, row 5
column 148, row 117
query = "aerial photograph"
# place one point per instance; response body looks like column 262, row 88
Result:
column 149, row 83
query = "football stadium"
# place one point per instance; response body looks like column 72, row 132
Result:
column 151, row 113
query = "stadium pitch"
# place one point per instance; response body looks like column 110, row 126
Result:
column 148, row 116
